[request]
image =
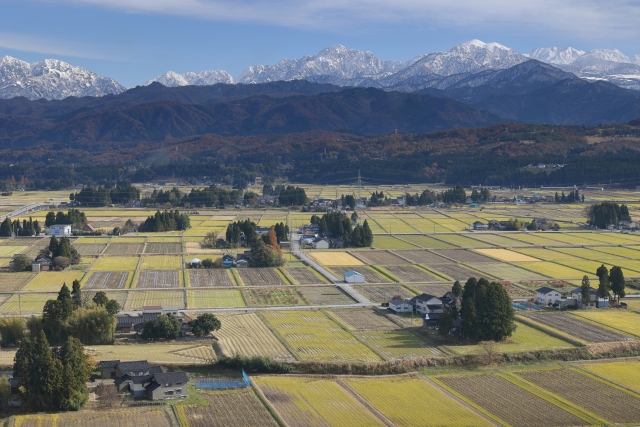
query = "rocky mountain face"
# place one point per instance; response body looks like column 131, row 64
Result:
column 203, row 78
column 51, row 79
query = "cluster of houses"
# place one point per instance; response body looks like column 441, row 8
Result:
column 547, row 296
column 429, row 306
column 134, row 322
column 141, row 379
column 504, row 225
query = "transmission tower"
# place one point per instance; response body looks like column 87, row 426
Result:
column 359, row 184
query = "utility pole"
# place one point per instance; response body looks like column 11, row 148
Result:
column 359, row 185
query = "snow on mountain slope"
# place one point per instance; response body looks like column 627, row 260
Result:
column 203, row 78
column 556, row 55
column 51, row 79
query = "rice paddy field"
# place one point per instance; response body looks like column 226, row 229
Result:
column 214, row 298
column 248, row 335
column 52, row 280
column 626, row 374
column 166, row 298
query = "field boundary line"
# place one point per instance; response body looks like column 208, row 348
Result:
column 265, row 402
column 552, row 398
column 603, row 380
column 582, row 369
column 385, row 273
column 347, row 330
column 186, row 279
column 456, row 399
column 288, row 281
column 236, row 277
column 469, row 402
column 551, row 331
column 364, row 402
column 435, row 273
column 278, row 336
column 180, row 417
column 611, row 328
column 409, row 224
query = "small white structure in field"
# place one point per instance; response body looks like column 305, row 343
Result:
column 546, row 295
column 58, row 230
column 400, row 306
column 353, row 277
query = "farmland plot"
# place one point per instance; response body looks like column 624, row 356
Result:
column 140, row 299
column 334, row 258
column 304, row 402
column 161, row 263
column 260, row 277
column 515, row 405
column 122, row 417
column 107, row 280
column 158, row 279
column 248, row 335
column 11, row 250
column 26, row 303
column 627, row 322
column 90, row 249
column 506, row 271
column 314, row 336
column 305, row 276
column 465, row 256
column 379, row 258
column 383, row 293
column 497, row 239
column 436, row 290
column 619, row 252
column 424, row 257
column 365, row 320
column 624, row 373
column 325, row 295
column 506, row 255
column 237, row 408
column 208, row 278
column 257, row 297
column 572, row 325
column 426, row 242
column 163, row 248
column 218, row 298
column 52, row 280
column 370, row 275
column 198, row 353
column 390, row 242
column 553, row 270
column 455, row 271
column 124, row 248
column 116, row 263
column 14, row 281
column 589, row 393
column 463, row 241
column 404, row 402
column 397, row 344
column 409, row 273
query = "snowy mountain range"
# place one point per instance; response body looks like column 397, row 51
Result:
column 51, row 79
column 337, row 65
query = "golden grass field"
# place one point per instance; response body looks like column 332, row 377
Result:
column 53, row 280
column 334, row 258
column 116, row 263
column 506, row 255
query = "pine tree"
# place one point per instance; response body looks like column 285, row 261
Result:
column 616, row 278
column 73, row 390
column 367, row 234
column 603, row 277
column 53, row 246
column 76, row 293
column 64, row 296
column 585, row 288
column 5, row 228
column 64, row 248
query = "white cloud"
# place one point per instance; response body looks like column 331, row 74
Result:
column 587, row 19
column 49, row 46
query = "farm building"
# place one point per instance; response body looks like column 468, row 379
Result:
column 546, row 295
column 353, row 277
column 321, row 243
column 58, row 230
column 400, row 306
column 144, row 380
column 480, row 226
column 428, row 304
column 596, row 300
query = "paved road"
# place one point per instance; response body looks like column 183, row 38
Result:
column 27, row 209
column 295, row 247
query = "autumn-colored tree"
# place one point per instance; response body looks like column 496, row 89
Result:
column 273, row 240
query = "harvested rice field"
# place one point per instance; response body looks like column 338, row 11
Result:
column 272, row 296
column 506, row 255
column 116, row 263
column 403, row 401
column 305, row 276
column 107, row 280
column 159, row 279
column 363, row 320
column 546, row 254
column 305, row 402
column 423, row 257
column 52, row 280
column 626, row 374
column 574, row 326
column 412, row 274
column 261, row 277
column 248, row 335
column 383, row 293
column 462, row 241
column 390, row 242
column 397, row 344
column 587, row 392
column 627, row 322
column 465, row 256
column 14, row 281
column 505, row 271
column 144, row 417
column 163, row 248
column 205, row 278
column 31, row 303
column 325, row 295
column 139, row 299
column 334, row 258
column 427, row 242
column 124, row 249
column 90, row 249
column 507, row 402
column 379, row 258
column 454, row 271
column 161, row 263
column 314, row 336
column 370, row 275
column 215, row 298
column 435, row 290
column 498, row 239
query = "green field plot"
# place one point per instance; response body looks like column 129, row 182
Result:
column 428, row 226
column 626, row 374
column 124, row 249
column 546, row 254
column 90, row 249
column 502, row 270
column 536, row 239
column 139, row 299
column 272, row 296
column 390, row 242
column 588, row 254
column 305, row 402
column 325, row 295
column 92, row 240
column 613, row 239
column 11, row 250
column 397, row 344
column 402, row 401
column 53, row 280
column 619, row 252
column 393, row 225
column 26, row 303
column 553, row 270
column 511, row 404
column 625, row 321
column 163, row 248
column 463, row 241
column 375, row 227
column 115, row 263
column 314, row 336
column 525, row 338
column 365, row 319
column 572, row 238
column 590, row 267
column 107, row 280
column 14, row 281
column 161, row 263
column 427, row 242
column 214, row 298
column 453, row 224
column 158, row 279
column 248, row 335
column 497, row 240
column 585, row 391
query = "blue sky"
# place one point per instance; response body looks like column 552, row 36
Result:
column 135, row 40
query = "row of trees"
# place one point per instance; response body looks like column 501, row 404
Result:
column 101, row 196
column 607, row 213
column 60, row 249
column 574, row 196
column 292, row 196
column 26, row 228
column 167, row 326
column 339, row 224
column 73, row 216
column 265, row 249
column 166, row 221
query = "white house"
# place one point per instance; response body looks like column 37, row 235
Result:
column 547, row 296
column 596, row 300
column 321, row 243
column 353, row 277
column 400, row 306
column 428, row 304
column 480, row 226
column 58, row 230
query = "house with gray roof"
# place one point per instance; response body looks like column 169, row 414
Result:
column 143, row 380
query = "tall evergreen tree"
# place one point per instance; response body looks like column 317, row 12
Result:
column 616, row 277
column 5, row 228
column 76, row 293
column 367, row 234
column 53, row 246
column 603, row 278
column 585, row 288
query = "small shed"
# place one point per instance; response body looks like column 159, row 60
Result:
column 242, row 263
column 352, row 276
column 108, row 369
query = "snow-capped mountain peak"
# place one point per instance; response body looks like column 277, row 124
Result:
column 51, row 79
column 636, row 59
column 203, row 78
column 556, row 55
column 612, row 55
column 482, row 45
